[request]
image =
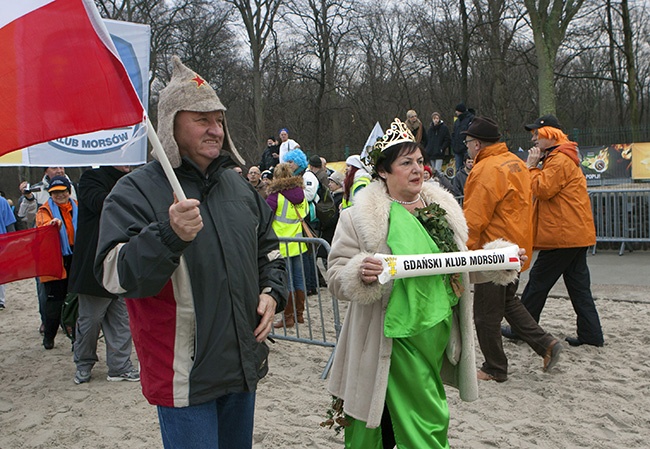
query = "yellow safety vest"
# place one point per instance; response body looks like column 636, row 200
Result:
column 359, row 184
column 287, row 224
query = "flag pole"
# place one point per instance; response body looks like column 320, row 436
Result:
column 162, row 158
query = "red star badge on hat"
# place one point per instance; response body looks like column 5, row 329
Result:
column 198, row 80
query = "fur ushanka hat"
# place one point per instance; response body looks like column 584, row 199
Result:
column 187, row 91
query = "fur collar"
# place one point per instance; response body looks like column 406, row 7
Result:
column 373, row 207
column 279, row 185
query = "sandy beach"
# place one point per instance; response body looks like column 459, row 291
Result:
column 594, row 398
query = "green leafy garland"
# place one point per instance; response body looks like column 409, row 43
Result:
column 433, row 219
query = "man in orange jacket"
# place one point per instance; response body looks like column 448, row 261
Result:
column 498, row 204
column 563, row 228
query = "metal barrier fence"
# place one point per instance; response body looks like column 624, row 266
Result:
column 621, row 215
column 322, row 320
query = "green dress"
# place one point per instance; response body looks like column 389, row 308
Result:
column 418, row 319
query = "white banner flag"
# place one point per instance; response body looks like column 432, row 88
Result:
column 121, row 146
column 375, row 134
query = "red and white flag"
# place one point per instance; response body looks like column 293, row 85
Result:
column 59, row 74
column 30, row 253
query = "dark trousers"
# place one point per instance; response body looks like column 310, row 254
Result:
column 56, row 292
column 571, row 264
column 492, row 303
column 42, row 299
column 310, row 271
column 458, row 157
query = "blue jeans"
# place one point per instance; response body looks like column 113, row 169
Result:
column 297, row 270
column 226, row 423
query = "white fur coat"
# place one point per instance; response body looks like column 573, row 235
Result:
column 360, row 370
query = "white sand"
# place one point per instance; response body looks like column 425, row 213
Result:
column 594, row 398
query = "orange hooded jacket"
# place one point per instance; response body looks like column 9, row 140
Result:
column 43, row 218
column 562, row 216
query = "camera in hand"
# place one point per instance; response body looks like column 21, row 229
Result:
column 29, row 189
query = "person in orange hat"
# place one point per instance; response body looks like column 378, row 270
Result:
column 563, row 226
column 59, row 210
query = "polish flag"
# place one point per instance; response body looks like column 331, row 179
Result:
column 30, row 253
column 59, row 74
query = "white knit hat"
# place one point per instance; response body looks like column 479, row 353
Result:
column 187, row 91
column 355, row 161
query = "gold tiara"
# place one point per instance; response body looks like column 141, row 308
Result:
column 397, row 133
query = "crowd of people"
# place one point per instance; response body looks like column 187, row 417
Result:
column 196, row 284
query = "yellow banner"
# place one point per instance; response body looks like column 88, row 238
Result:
column 641, row 160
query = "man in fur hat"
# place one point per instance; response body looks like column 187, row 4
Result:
column 498, row 204
column 203, row 277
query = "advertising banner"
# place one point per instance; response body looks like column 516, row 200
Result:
column 607, row 162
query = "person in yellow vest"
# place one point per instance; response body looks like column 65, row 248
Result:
column 356, row 178
column 287, row 200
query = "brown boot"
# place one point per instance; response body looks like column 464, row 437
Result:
column 288, row 315
column 300, row 305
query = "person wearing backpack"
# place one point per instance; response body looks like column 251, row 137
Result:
column 98, row 309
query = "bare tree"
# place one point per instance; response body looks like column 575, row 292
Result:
column 614, row 67
column 549, row 20
column 463, row 51
column 258, row 17
column 325, row 29
column 628, row 51
column 497, row 22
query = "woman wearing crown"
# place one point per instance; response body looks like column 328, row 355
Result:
column 400, row 341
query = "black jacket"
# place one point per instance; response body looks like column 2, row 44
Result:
column 94, row 187
column 438, row 141
column 461, row 124
column 267, row 161
column 192, row 305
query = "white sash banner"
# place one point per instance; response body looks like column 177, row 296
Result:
column 399, row 267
